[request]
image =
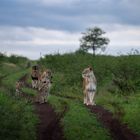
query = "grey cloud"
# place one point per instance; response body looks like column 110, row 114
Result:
column 73, row 16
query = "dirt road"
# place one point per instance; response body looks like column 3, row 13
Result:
column 49, row 127
column 118, row 130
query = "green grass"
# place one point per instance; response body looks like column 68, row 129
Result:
column 17, row 121
column 78, row 122
column 67, row 82
column 7, row 68
column 29, row 91
column 126, row 108
column 132, row 113
column 17, row 118
column 11, row 80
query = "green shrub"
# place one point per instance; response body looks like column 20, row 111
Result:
column 126, row 74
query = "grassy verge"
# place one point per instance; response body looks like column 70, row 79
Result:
column 11, row 80
column 78, row 122
column 17, row 119
column 126, row 108
column 124, row 70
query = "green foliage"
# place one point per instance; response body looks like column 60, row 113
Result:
column 67, row 69
column 78, row 122
column 29, row 91
column 126, row 74
column 81, row 51
column 67, row 81
column 93, row 39
column 17, row 121
column 18, row 60
column 122, row 71
column 125, row 108
column 132, row 113
column 7, row 69
column 11, row 80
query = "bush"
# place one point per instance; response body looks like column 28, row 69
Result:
column 126, row 74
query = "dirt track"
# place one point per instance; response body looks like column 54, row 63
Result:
column 118, row 131
column 49, row 127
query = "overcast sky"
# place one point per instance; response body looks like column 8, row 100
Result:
column 31, row 27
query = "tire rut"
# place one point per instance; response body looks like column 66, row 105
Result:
column 118, row 130
column 49, row 127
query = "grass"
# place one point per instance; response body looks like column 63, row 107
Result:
column 67, row 82
column 67, row 92
column 29, row 91
column 11, row 80
column 17, row 118
column 78, row 122
column 132, row 113
column 125, row 108
column 17, row 121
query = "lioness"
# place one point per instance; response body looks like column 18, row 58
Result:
column 89, row 85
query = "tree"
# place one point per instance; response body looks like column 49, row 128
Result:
column 94, row 40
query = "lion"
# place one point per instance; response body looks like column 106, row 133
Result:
column 89, row 86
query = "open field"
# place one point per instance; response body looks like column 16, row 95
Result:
column 66, row 96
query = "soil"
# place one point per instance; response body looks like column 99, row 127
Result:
column 118, row 130
column 49, row 127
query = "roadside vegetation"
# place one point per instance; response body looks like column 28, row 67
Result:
column 118, row 91
column 118, row 82
column 17, row 120
column 77, row 121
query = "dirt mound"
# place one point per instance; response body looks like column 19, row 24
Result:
column 118, row 131
column 49, row 127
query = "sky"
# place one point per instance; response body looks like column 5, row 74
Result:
column 37, row 27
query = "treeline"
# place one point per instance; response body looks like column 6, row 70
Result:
column 12, row 58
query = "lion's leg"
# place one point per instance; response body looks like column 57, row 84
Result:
column 88, row 97
column 85, row 97
column 92, row 95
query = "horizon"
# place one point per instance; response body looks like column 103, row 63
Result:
column 132, row 52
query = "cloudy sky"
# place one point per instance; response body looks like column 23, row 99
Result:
column 31, row 27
